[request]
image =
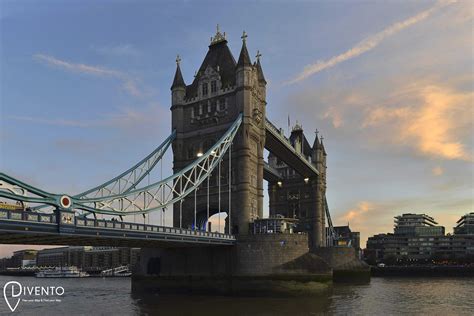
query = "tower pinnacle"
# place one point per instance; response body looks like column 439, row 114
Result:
column 244, row 36
column 244, row 58
column 261, row 77
column 178, row 80
column 219, row 37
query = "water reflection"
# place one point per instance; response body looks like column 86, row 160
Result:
column 226, row 305
column 382, row 296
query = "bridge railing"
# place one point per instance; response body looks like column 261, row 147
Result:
column 277, row 130
column 20, row 215
column 32, row 217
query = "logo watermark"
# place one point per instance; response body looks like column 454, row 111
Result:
column 14, row 293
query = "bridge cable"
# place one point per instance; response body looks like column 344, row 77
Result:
column 230, row 188
column 181, row 204
column 219, row 190
column 207, row 222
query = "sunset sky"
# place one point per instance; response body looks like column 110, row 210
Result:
column 84, row 92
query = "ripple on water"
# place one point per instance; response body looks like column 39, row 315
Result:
column 388, row 296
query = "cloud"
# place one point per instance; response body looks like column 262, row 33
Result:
column 431, row 127
column 334, row 115
column 367, row 44
column 56, row 122
column 354, row 213
column 437, row 171
column 120, row 50
column 128, row 84
column 130, row 120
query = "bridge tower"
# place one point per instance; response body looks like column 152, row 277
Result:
column 201, row 113
column 298, row 197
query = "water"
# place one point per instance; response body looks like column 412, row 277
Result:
column 387, row 296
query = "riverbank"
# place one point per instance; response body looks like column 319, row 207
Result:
column 422, row 271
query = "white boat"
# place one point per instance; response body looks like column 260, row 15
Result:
column 122, row 271
column 62, row 272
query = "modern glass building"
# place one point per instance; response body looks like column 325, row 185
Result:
column 417, row 225
column 416, row 237
column 465, row 225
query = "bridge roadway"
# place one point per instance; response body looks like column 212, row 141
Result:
column 32, row 228
column 279, row 145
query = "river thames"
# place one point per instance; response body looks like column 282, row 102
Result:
column 388, row 296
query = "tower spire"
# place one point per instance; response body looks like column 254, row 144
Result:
column 260, row 76
column 178, row 80
column 316, row 143
column 244, row 58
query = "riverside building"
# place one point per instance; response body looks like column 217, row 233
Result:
column 417, row 237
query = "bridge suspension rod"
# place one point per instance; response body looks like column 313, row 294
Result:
column 130, row 200
column 192, row 176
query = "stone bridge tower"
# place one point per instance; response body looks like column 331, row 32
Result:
column 202, row 112
column 300, row 198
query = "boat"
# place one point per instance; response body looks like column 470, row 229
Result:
column 122, row 271
column 62, row 272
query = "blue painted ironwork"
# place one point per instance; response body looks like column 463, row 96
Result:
column 331, row 235
column 130, row 201
column 40, row 224
column 129, row 179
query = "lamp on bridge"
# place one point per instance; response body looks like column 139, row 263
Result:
column 280, row 183
column 306, row 180
column 199, row 154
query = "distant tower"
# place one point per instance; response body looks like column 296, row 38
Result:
column 203, row 111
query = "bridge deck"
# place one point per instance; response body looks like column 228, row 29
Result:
column 25, row 227
column 281, row 147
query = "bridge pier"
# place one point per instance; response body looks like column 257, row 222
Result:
column 267, row 264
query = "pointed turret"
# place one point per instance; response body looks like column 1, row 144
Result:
column 244, row 57
column 322, row 146
column 260, row 76
column 178, row 88
column 178, row 80
column 316, row 143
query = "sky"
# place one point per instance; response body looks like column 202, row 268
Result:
column 84, row 92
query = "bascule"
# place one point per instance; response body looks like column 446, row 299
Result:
column 219, row 133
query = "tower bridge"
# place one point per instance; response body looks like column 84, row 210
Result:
column 219, row 133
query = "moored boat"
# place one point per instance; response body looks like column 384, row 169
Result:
column 62, row 272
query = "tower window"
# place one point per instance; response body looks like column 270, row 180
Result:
column 222, row 104
column 204, row 89
column 213, row 86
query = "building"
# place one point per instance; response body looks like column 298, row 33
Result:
column 202, row 112
column 62, row 256
column 297, row 197
column 417, row 225
column 417, row 238
column 345, row 237
column 87, row 257
column 24, row 258
column 465, row 225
